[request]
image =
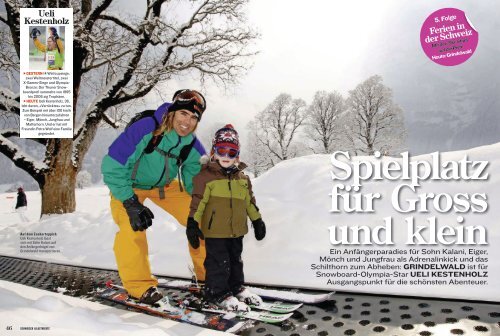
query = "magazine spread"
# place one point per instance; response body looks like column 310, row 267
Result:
column 206, row 167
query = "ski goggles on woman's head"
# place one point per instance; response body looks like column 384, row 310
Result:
column 190, row 100
column 226, row 151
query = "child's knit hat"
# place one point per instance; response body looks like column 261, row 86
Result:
column 226, row 137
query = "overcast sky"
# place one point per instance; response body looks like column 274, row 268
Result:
column 304, row 47
column 313, row 45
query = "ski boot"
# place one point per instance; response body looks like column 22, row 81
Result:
column 248, row 297
column 151, row 296
column 230, row 303
column 155, row 298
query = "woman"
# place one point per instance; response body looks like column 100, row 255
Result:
column 146, row 161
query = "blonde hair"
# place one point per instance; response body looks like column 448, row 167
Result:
column 167, row 124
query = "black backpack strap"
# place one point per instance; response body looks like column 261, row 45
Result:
column 153, row 143
column 166, row 155
column 136, row 167
column 155, row 140
column 142, row 115
column 183, row 155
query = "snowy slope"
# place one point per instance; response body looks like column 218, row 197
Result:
column 294, row 200
column 86, row 236
column 59, row 315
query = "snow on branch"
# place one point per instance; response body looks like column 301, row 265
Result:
column 155, row 75
column 10, row 133
column 12, row 11
column 92, row 109
column 9, row 63
column 121, row 22
column 211, row 51
column 8, row 94
column 9, row 101
column 93, row 15
column 13, row 5
column 109, row 121
column 133, row 56
column 21, row 159
column 95, row 112
column 3, row 18
column 105, row 99
column 97, row 63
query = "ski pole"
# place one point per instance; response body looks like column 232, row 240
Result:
column 110, row 284
column 193, row 275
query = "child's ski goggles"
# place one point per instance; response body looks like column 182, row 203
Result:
column 226, row 151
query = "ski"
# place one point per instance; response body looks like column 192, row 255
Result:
column 274, row 307
column 215, row 320
column 289, row 296
column 195, row 311
column 269, row 294
column 263, row 316
column 277, row 307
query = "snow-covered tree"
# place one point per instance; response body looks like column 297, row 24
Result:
column 83, row 179
column 118, row 59
column 277, row 126
column 255, row 154
column 206, row 133
column 375, row 122
column 323, row 122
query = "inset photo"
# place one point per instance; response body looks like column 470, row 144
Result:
column 47, row 49
column 37, row 57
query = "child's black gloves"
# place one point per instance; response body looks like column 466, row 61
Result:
column 193, row 233
column 259, row 228
column 140, row 216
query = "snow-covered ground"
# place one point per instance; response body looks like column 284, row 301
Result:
column 295, row 203
column 26, row 310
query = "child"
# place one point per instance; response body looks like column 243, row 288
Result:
column 222, row 199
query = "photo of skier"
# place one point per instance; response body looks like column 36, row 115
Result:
column 156, row 157
column 54, row 49
column 222, row 200
column 37, row 57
